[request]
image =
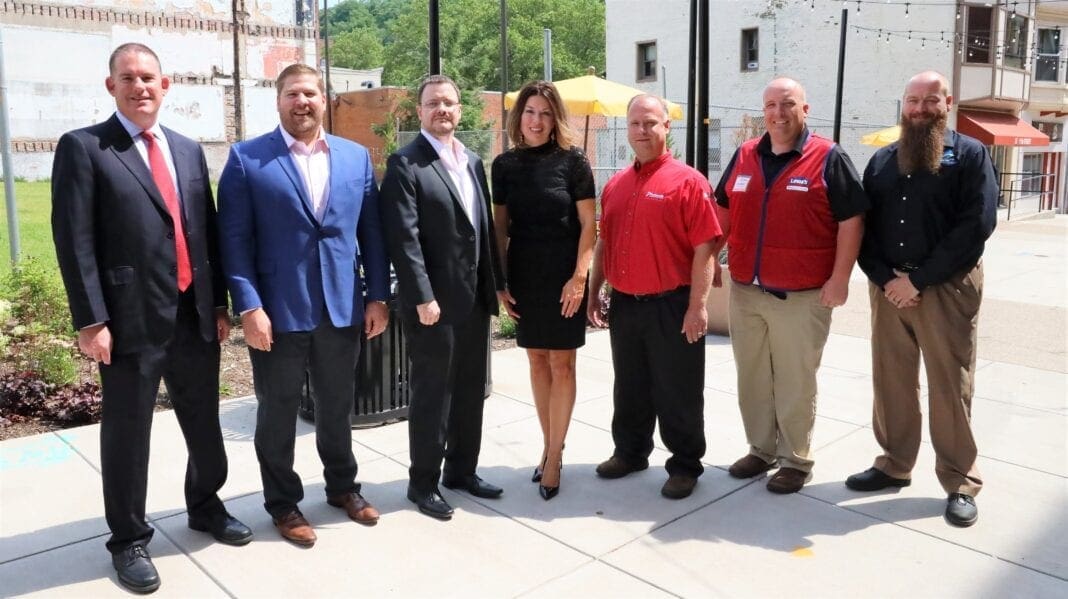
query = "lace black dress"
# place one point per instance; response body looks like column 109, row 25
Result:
column 540, row 187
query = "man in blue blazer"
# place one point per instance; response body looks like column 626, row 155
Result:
column 134, row 227
column 300, row 239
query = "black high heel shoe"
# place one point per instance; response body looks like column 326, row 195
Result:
column 548, row 493
column 537, row 472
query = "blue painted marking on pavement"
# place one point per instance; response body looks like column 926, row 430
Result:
column 46, row 451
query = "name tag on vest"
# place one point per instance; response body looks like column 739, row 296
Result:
column 741, row 183
column 797, row 184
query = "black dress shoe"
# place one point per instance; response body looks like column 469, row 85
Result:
column 135, row 569
column 432, row 504
column 226, row 529
column 473, row 485
column 961, row 510
column 874, row 479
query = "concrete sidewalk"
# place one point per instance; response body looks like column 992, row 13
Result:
column 617, row 538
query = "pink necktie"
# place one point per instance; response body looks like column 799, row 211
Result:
column 162, row 177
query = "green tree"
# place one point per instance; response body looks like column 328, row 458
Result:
column 357, row 49
column 470, row 40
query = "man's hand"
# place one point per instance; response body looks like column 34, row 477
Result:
column 900, row 290
column 95, row 342
column 593, row 310
column 257, row 328
column 695, row 323
column 375, row 319
column 717, row 273
column 429, row 313
column 571, row 296
column 505, row 299
column 222, row 325
column 834, row 293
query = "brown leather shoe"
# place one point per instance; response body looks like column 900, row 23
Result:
column 294, row 528
column 678, row 486
column 788, row 480
column 358, row 509
column 748, row 467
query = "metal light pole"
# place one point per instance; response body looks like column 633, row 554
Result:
column 701, row 151
column 841, row 77
column 434, row 40
column 691, row 86
column 326, row 52
column 504, row 73
column 9, row 173
column 547, row 53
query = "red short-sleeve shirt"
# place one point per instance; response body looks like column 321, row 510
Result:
column 652, row 218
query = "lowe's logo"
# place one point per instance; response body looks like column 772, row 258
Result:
column 797, row 184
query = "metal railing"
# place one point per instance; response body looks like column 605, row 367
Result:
column 1035, row 187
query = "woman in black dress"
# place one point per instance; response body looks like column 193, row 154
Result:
column 543, row 195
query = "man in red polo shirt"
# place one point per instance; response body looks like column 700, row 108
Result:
column 792, row 207
column 658, row 228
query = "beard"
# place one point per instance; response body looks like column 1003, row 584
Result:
column 920, row 146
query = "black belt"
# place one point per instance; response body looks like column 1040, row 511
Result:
column 773, row 292
column 906, row 267
column 645, row 297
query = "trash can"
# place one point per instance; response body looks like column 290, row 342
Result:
column 382, row 390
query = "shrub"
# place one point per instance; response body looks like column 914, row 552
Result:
column 24, row 395
column 506, row 326
column 35, row 324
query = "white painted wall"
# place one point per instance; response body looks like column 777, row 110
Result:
column 795, row 41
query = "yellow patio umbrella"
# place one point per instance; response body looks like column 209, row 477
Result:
column 591, row 95
column 882, row 137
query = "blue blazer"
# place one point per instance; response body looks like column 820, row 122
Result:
column 278, row 256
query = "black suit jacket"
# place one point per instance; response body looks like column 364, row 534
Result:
column 430, row 239
column 115, row 238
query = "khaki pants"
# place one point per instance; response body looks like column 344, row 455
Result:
column 777, row 346
column 942, row 328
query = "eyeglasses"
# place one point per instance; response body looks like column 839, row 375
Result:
column 444, row 104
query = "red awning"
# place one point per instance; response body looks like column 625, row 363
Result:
column 999, row 129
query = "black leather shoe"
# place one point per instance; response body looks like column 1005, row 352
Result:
column 135, row 569
column 473, row 485
column 874, row 479
column 432, row 504
column 961, row 510
column 226, row 529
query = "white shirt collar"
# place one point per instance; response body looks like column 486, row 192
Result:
column 135, row 131
column 458, row 148
column 290, row 140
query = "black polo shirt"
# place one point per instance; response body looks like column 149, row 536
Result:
column 844, row 192
column 931, row 225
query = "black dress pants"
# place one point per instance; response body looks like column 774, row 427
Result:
column 189, row 367
column 329, row 354
column 658, row 375
column 448, row 382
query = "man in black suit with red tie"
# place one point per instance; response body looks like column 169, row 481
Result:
column 134, row 227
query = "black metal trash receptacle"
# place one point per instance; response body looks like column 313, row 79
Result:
column 382, row 391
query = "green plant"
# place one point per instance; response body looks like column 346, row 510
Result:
column 506, row 326
column 36, row 333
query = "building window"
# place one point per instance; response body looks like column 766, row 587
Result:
column 646, row 61
column 979, row 30
column 1031, row 175
column 1016, row 42
column 750, row 49
column 1048, row 55
column 1055, row 131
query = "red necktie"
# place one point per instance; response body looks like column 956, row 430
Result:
column 162, row 177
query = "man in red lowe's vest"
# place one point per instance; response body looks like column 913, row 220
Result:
column 790, row 204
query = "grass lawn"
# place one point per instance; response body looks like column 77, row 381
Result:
column 34, row 207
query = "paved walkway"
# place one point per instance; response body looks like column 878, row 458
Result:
column 617, row 538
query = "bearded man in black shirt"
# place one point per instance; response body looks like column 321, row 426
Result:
column 933, row 201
